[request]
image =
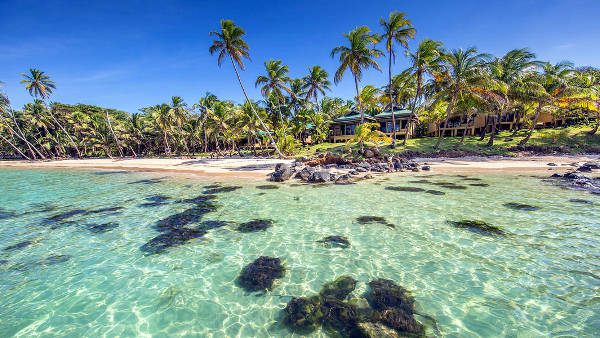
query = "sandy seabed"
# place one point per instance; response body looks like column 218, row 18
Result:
column 259, row 169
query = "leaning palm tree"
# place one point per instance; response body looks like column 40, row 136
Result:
column 465, row 72
column 398, row 28
column 39, row 84
column 229, row 42
column 359, row 55
column 425, row 60
column 316, row 82
column 274, row 83
column 367, row 132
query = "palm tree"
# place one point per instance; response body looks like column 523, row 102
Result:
column 274, row 83
column 204, row 104
column 229, row 42
column 589, row 84
column 426, row 60
column 316, row 82
column 179, row 112
column 39, row 84
column 464, row 73
column 370, row 98
column 545, row 90
column 367, row 132
column 398, row 28
column 359, row 55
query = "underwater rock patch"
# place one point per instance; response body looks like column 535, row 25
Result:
column 471, row 179
column 335, row 241
column 582, row 201
column 175, row 237
column 54, row 259
column 101, row 227
column 520, row 206
column 452, row 186
column 407, row 189
column 477, row 226
column 102, row 173
column 339, row 288
column 420, row 182
column 179, row 220
column 147, row 181
column 255, row 225
column 303, row 314
column 4, row 214
column 261, row 274
column 435, row 192
column 374, row 219
column 386, row 293
column 400, row 321
column 267, row 187
column 102, row 210
column 210, row 225
column 220, row 189
column 339, row 317
column 199, row 200
column 63, row 216
column 479, row 184
column 17, row 246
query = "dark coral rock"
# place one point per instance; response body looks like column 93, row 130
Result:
column 520, row 206
column 199, row 200
column 471, row 179
column 147, row 181
column 435, row 192
column 335, row 241
column 261, row 274
column 303, row 314
column 578, row 200
column 420, row 182
column 179, row 220
column 255, row 225
column 102, row 173
column 18, row 246
column 104, row 227
column 220, row 189
column 158, row 198
column 407, row 189
column 401, row 321
column 267, row 187
column 376, row 330
column 453, row 186
column 151, row 204
column 209, row 225
column 63, row 216
column 103, row 210
column 479, row 185
column 477, row 226
column 339, row 288
column 374, row 219
column 339, row 317
column 6, row 213
column 54, row 259
column 170, row 239
column 387, row 294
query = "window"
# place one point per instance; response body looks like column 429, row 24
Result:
column 350, row 129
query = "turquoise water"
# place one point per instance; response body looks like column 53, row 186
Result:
column 541, row 279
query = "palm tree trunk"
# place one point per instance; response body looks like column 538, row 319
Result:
column 448, row 112
column 414, row 107
column 462, row 139
column 15, row 147
column 281, row 118
column 167, row 148
column 113, row 133
column 593, row 131
column 362, row 116
column 252, row 107
column 29, row 145
column 66, row 132
column 392, row 103
column 22, row 137
column 493, row 133
column 537, row 116
column 484, row 130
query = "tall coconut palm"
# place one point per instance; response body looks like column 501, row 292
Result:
column 229, row 42
column 316, row 82
column 425, row 60
column 39, row 84
column 359, row 55
column 545, row 90
column 297, row 93
column 399, row 29
column 465, row 72
column 275, row 83
column 204, row 104
column 179, row 112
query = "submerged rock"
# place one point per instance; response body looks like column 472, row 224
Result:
column 63, row 216
column 339, row 288
column 519, row 206
column 335, row 241
column 220, row 189
column 479, row 185
column 147, row 181
column 420, row 182
column 20, row 245
column 261, row 274
column 339, row 317
column 374, row 219
column 400, row 321
column 471, row 179
column 54, row 259
column 170, row 239
column 386, row 293
column 4, row 214
column 453, row 186
column 376, row 330
column 255, row 225
column 577, row 200
column 188, row 216
column 200, row 200
column 435, row 192
column 267, row 187
column 477, row 226
column 408, row 189
column 303, row 314
column 210, row 225
column 103, row 210
column 104, row 227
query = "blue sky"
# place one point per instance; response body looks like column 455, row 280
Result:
column 132, row 54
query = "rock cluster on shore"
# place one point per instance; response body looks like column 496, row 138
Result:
column 575, row 180
column 329, row 168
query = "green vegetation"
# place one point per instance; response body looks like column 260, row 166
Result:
column 294, row 117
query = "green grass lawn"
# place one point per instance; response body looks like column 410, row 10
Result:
column 572, row 140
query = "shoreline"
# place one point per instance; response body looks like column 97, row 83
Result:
column 259, row 169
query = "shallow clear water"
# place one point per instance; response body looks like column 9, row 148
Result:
column 542, row 278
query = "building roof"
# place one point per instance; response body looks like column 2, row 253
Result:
column 397, row 113
column 351, row 117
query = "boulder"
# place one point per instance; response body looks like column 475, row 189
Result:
column 426, row 168
column 282, row 175
column 368, row 153
column 551, row 164
column 592, row 165
column 305, row 173
column 344, row 179
column 282, row 166
column 320, row 176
